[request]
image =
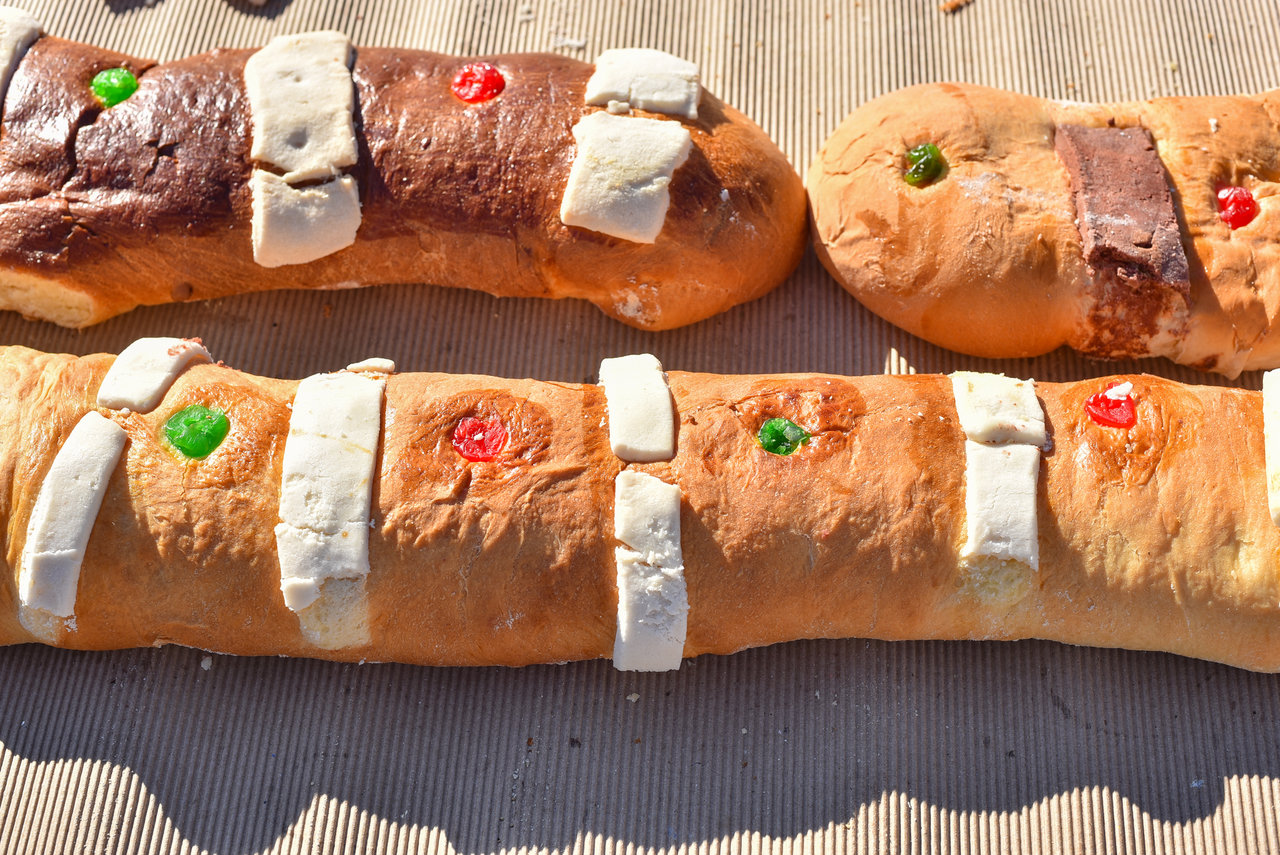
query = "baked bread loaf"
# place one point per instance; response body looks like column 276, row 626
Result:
column 805, row 506
column 1120, row 230
column 210, row 180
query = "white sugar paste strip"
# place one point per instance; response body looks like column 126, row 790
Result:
column 18, row 31
column 327, row 485
column 642, row 419
column 1005, row 431
column 619, row 183
column 301, row 99
column 64, row 513
column 295, row 225
column 646, row 79
column 1271, row 439
column 1000, row 502
column 653, row 600
column 144, row 371
column 374, row 365
column 996, row 409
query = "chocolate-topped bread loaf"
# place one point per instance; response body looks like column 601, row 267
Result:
column 313, row 164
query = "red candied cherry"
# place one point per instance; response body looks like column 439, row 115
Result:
column 479, row 440
column 1113, row 407
column 478, row 81
column 1236, row 206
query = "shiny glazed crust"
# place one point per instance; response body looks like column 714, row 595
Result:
column 1155, row 538
column 988, row 260
column 452, row 194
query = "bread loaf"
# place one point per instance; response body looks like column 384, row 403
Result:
column 209, row 181
column 1121, row 230
column 495, row 531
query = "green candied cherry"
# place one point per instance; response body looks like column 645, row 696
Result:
column 114, row 85
column 926, row 164
column 781, row 436
column 196, row 430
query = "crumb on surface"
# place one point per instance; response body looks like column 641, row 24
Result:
column 953, row 6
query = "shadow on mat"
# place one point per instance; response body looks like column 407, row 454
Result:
column 779, row 741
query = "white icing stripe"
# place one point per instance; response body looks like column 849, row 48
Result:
column 64, row 513
column 1271, row 439
column 646, row 79
column 144, row 371
column 327, row 484
column 301, row 99
column 1000, row 502
column 620, row 178
column 375, row 365
column 1005, row 431
column 17, row 31
column 653, row 601
column 997, row 409
column 297, row 225
column 642, row 419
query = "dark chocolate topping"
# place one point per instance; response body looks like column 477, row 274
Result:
column 1123, row 204
column 437, row 163
column 1130, row 234
column 149, row 201
column 174, row 157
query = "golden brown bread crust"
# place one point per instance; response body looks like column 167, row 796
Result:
column 451, row 194
column 988, row 260
column 1153, row 538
